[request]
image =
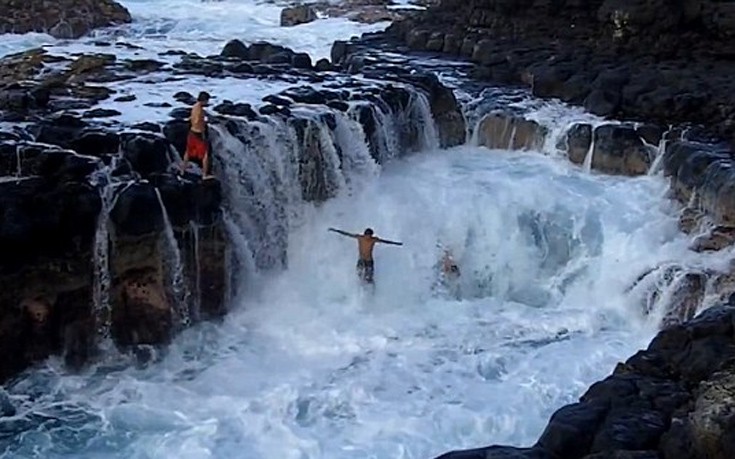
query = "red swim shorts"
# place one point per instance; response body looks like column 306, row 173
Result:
column 196, row 146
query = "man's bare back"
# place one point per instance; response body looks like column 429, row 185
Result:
column 365, row 245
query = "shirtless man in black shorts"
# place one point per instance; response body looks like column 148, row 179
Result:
column 365, row 244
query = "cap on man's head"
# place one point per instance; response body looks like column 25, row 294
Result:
column 368, row 232
column 203, row 96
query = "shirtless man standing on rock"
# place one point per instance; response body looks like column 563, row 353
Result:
column 197, row 147
column 365, row 244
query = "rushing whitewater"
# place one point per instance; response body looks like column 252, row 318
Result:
column 309, row 365
column 202, row 27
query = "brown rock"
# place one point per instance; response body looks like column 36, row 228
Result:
column 509, row 132
column 716, row 239
column 690, row 219
column 578, row 141
column 713, row 416
column 295, row 15
column 685, row 299
column 417, row 39
column 142, row 313
column 619, row 149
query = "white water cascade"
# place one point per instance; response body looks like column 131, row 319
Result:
column 308, row 365
column 175, row 268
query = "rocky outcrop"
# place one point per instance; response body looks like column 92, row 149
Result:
column 651, row 60
column 101, row 239
column 299, row 14
column 674, row 400
column 614, row 148
column 509, row 132
column 64, row 246
column 365, row 11
column 62, row 18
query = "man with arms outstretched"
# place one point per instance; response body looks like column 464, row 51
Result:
column 365, row 244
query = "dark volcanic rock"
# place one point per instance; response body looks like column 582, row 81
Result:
column 95, row 142
column 655, row 60
column 620, row 150
column 61, row 19
column 175, row 132
column 146, row 153
column 59, row 129
column 236, row 49
column 498, row 452
column 301, row 61
column 510, row 132
column 100, row 113
column 43, row 219
column 134, row 201
column 185, row 98
column 229, row 108
column 323, row 65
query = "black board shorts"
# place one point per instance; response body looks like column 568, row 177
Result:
column 365, row 269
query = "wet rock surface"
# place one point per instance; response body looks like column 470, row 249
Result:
column 94, row 211
column 641, row 60
column 674, row 400
column 60, row 19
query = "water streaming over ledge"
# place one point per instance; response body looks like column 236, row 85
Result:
column 307, row 365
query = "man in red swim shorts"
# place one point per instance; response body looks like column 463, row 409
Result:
column 197, row 148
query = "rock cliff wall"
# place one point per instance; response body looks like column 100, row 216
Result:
column 646, row 60
column 103, row 242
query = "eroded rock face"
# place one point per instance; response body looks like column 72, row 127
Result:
column 618, row 149
column 654, row 60
column 509, row 132
column 295, row 15
column 61, row 19
column 52, row 210
column 143, row 312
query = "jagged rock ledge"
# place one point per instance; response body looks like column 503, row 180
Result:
column 101, row 238
column 60, row 18
column 644, row 60
column 674, row 400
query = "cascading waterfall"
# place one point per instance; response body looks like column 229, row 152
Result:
column 110, row 189
column 175, row 268
column 422, row 120
column 349, row 136
column 311, row 366
column 260, row 181
column 272, row 169
column 385, row 136
column 587, row 165
column 195, row 293
column 660, row 149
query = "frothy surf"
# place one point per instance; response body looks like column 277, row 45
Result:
column 310, row 366
column 314, row 367
column 201, row 27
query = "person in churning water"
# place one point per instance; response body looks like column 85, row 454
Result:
column 446, row 283
column 449, row 266
column 197, row 145
column 365, row 244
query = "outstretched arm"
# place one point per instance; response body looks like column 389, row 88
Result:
column 343, row 233
column 385, row 241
